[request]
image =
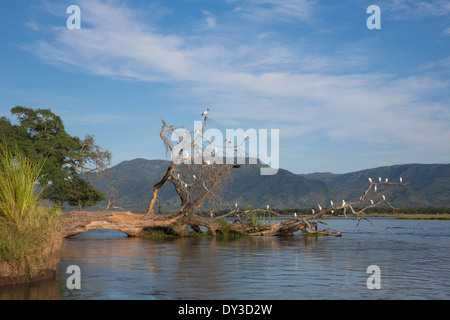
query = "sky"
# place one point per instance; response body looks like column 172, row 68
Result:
column 344, row 97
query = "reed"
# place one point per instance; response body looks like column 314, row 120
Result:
column 18, row 180
column 27, row 230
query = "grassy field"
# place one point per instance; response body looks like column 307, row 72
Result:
column 418, row 216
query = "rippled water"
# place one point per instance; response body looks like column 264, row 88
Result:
column 413, row 256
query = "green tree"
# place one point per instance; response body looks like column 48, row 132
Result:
column 40, row 134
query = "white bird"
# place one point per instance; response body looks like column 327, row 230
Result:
column 267, row 207
column 320, row 208
column 295, row 214
column 194, row 176
column 371, row 201
column 205, row 112
column 343, row 202
column 331, row 201
column 370, row 180
column 313, row 211
column 379, row 179
column 185, row 185
column 401, row 180
column 211, row 214
column 386, row 180
column 227, row 141
column 178, row 176
column 207, row 162
column 197, row 131
column 375, row 189
column 235, row 204
column 215, row 150
column 384, row 198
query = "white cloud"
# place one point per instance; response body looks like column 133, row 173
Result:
column 270, row 82
column 446, row 32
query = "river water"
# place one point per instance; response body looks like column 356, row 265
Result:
column 413, row 257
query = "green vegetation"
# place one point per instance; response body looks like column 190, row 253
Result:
column 445, row 216
column 160, row 234
column 40, row 135
column 27, row 229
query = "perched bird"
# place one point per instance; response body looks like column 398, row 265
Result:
column 379, row 179
column 375, row 189
column 313, row 211
column 320, row 208
column 205, row 112
column 401, row 180
column 267, row 207
column 370, row 180
column 193, row 176
column 295, row 214
column 386, row 180
column 235, row 204
column 331, row 201
column 343, row 202
column 384, row 198
column 197, row 131
column 227, row 141
column 371, row 201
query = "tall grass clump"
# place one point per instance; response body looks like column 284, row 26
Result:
column 18, row 180
column 28, row 231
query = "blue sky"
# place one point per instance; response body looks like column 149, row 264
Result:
column 344, row 97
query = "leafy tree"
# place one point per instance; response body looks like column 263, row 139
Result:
column 40, row 134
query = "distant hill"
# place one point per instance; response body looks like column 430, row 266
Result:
column 428, row 184
column 131, row 183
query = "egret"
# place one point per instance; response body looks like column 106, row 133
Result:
column 215, row 150
column 370, row 180
column 320, row 208
column 235, row 205
column 331, row 201
column 205, row 112
column 313, row 211
column 211, row 214
column 371, row 201
column 185, row 185
column 178, row 176
column 375, row 189
column 401, row 180
column 227, row 141
column 384, row 198
column 379, row 179
column 268, row 207
column 193, row 176
column 197, row 131
column 386, row 180
column 343, row 202
column 295, row 214
column 207, row 162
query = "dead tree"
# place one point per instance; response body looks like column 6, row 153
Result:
column 197, row 173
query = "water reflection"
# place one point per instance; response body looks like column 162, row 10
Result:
column 414, row 262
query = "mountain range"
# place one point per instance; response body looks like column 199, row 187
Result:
column 131, row 184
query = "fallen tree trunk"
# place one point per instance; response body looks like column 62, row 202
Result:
column 135, row 225
column 76, row 222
